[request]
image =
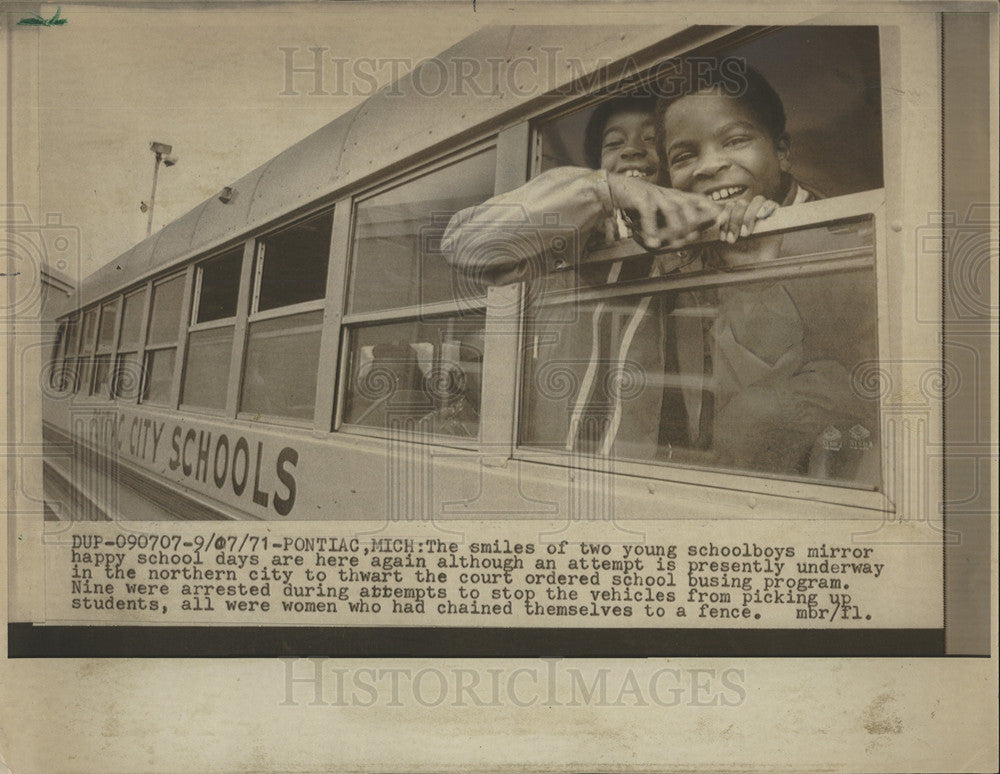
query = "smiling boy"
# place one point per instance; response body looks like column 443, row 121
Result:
column 780, row 366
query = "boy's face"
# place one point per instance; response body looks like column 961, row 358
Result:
column 715, row 146
column 628, row 145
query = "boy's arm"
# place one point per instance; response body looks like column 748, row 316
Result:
column 508, row 238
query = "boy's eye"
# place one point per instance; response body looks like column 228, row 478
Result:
column 741, row 139
column 681, row 158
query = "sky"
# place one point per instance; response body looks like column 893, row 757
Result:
column 210, row 84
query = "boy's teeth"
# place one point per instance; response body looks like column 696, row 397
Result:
column 725, row 193
column 634, row 173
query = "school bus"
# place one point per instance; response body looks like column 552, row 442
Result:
column 298, row 347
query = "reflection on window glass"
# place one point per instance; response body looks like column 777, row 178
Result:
column 760, row 375
column 102, row 376
column 127, row 376
column 165, row 317
column 59, row 341
column 159, row 374
column 106, row 335
column 396, row 261
column 132, row 320
column 219, row 286
column 206, row 374
column 67, row 376
column 294, row 264
column 89, row 329
column 73, row 335
column 281, row 364
column 422, row 376
column 84, row 370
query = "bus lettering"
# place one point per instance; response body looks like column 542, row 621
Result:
column 204, row 448
column 241, row 445
column 157, row 432
column 189, row 437
column 288, row 456
column 259, row 497
column 221, row 445
column 175, row 442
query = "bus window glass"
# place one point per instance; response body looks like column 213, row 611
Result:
column 159, row 374
column 132, row 320
column 102, row 376
column 127, row 377
column 423, row 376
column 57, row 360
column 280, row 369
column 749, row 372
column 73, row 335
column 59, row 341
column 396, row 261
column 106, row 334
column 84, row 370
column 206, row 374
column 165, row 317
column 89, row 329
column 294, row 264
column 219, row 286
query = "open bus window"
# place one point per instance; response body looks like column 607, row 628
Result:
column 280, row 368
column 422, row 376
column 218, row 287
column 292, row 264
column 746, row 368
column 161, row 340
column 393, row 263
column 828, row 78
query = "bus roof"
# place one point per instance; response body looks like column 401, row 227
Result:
column 412, row 116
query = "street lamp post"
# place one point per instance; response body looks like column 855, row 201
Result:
column 162, row 151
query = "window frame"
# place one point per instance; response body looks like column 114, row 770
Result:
column 186, row 275
column 435, row 311
column 256, row 248
column 801, row 217
column 864, row 203
column 143, row 292
column 189, row 325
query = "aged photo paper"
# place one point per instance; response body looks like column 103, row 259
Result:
column 466, row 386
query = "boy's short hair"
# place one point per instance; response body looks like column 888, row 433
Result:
column 593, row 137
column 732, row 77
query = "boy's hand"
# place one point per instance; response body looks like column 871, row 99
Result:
column 667, row 217
column 739, row 218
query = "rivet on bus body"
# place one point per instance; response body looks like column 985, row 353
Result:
column 897, row 226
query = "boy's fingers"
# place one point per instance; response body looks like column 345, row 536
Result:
column 736, row 228
column 647, row 219
column 753, row 213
